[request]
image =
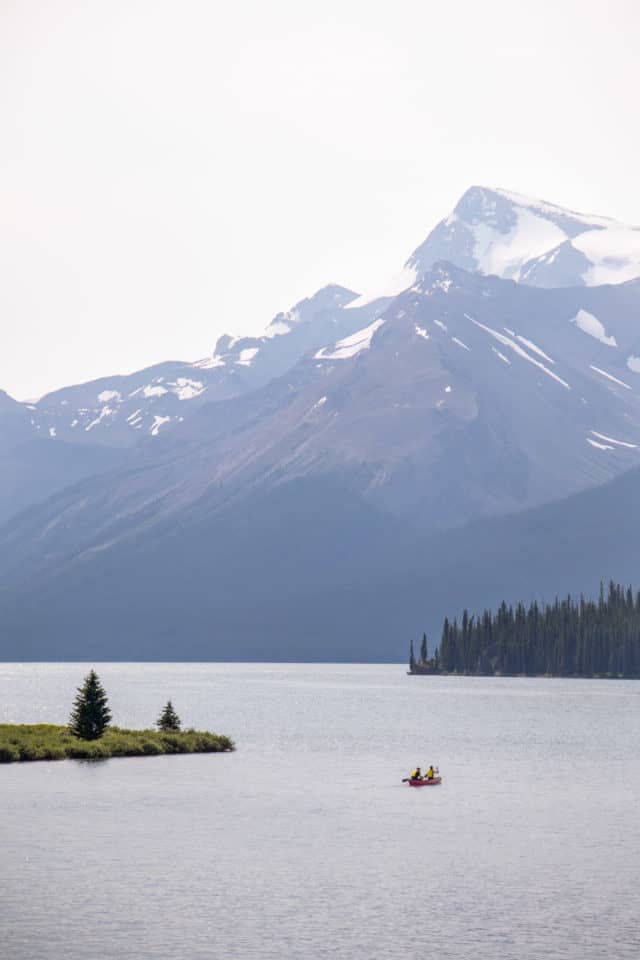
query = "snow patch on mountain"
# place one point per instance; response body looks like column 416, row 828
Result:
column 149, row 390
column 534, row 348
column 586, row 322
column 614, row 253
column 501, row 356
column 276, row 329
column 599, row 446
column 610, row 376
column 186, row 389
column 246, row 356
column 390, row 287
column 350, row 346
column 106, row 396
column 318, row 404
column 208, row 363
column 508, row 342
column 157, row 423
column 105, row 412
column 544, row 208
column 618, row 443
column 506, row 254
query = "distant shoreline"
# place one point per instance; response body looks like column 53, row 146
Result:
column 520, row 676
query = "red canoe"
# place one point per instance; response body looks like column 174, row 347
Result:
column 425, row 783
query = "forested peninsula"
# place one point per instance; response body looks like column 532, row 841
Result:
column 568, row 638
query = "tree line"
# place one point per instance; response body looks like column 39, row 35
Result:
column 567, row 638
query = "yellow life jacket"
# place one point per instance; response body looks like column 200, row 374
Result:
column 430, row 773
column 415, row 774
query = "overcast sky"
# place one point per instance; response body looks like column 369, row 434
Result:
column 171, row 170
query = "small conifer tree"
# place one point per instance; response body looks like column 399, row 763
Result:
column 90, row 715
column 168, row 719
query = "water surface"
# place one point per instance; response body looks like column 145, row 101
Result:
column 304, row 843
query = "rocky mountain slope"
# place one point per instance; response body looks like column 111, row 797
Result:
column 76, row 431
column 122, row 410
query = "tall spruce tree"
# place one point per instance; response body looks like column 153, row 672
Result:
column 90, row 715
column 168, row 719
column 423, row 648
column 412, row 659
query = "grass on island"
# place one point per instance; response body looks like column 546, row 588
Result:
column 45, row 741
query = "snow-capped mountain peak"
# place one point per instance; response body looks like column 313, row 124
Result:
column 494, row 231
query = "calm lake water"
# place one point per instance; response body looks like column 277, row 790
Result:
column 304, row 843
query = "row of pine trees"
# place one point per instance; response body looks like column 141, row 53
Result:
column 567, row 638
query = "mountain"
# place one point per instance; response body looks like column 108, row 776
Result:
column 343, row 477
column 440, row 412
column 532, row 241
column 80, row 430
column 121, row 411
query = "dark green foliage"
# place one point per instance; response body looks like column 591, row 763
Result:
column 168, row 719
column 90, row 715
column 423, row 649
column 9, row 753
column 47, row 742
column 567, row 638
column 424, row 664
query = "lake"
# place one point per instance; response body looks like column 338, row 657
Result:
column 305, row 843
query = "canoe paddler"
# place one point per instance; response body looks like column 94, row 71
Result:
column 430, row 774
column 416, row 775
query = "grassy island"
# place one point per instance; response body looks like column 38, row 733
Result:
column 45, row 741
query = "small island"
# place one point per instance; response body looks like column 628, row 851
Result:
column 568, row 638
column 90, row 736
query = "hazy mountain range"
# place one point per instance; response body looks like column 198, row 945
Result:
column 468, row 430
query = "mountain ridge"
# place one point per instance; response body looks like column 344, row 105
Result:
column 325, row 463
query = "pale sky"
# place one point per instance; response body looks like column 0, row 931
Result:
column 171, row 170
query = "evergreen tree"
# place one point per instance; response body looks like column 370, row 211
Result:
column 90, row 715
column 168, row 719
column 412, row 659
column 423, row 648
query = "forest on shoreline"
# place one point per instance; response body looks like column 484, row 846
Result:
column 568, row 638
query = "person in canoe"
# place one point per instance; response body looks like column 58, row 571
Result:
column 431, row 772
column 416, row 774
